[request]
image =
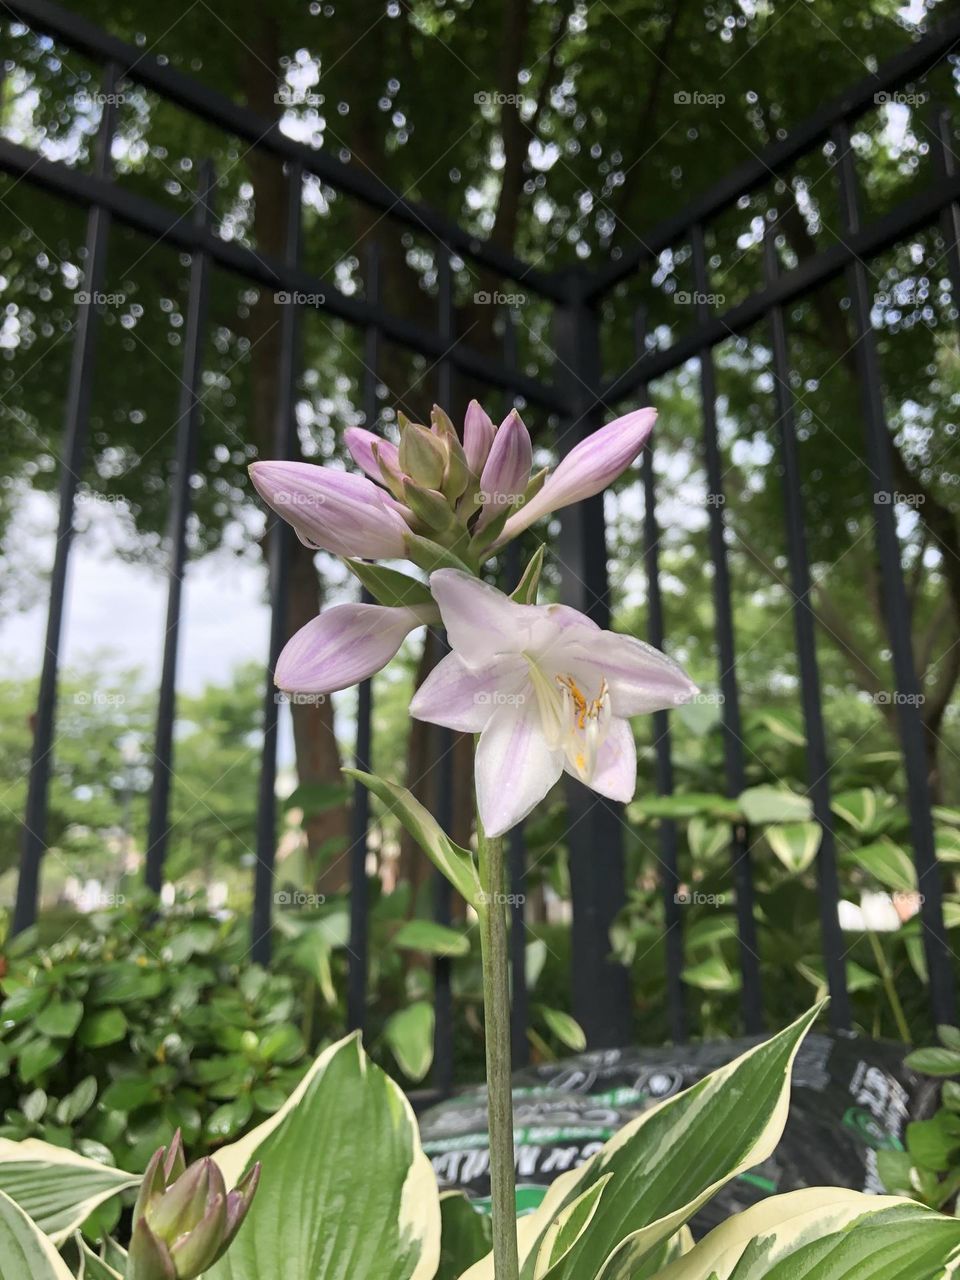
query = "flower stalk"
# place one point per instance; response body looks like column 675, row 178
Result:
column 496, row 1015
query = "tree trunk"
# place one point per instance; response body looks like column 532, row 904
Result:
column 317, row 753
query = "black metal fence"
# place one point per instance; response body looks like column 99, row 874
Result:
column 582, row 398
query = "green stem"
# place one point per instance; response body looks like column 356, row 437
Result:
column 496, row 1014
column 886, row 974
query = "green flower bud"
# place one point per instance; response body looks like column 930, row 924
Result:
column 429, row 506
column 422, row 456
column 184, row 1220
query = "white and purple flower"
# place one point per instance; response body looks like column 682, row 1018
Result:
column 547, row 690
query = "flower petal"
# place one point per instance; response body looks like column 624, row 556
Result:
column 332, row 510
column 515, row 767
column 481, row 621
column 506, row 472
column 478, row 433
column 615, row 775
column 641, row 678
column 588, row 468
column 360, row 442
column 345, row 645
column 464, row 700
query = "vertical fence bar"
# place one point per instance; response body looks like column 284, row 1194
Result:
column 516, row 843
column 751, row 995
column 670, row 875
column 442, row 739
column 188, row 425
column 818, row 768
column 601, row 990
column 75, row 429
column 896, row 605
column 279, row 535
column 360, row 816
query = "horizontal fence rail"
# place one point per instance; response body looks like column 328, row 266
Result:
column 582, row 396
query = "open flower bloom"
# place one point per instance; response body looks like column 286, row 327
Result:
column 587, row 469
column 547, row 690
column 346, row 644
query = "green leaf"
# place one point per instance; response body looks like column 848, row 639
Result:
column 934, row 1061
column 103, row 1027
column 889, row 864
column 56, row 1187
column 38, row 1057
column 707, row 839
column 465, row 1235
column 712, row 974
column 565, row 1027
column 796, row 844
column 344, row 1151
column 685, row 805
column 765, row 804
column 824, row 1233
column 455, row 863
column 25, row 1253
column 78, row 1102
column 409, row 1033
column 667, row 1163
column 92, row 1266
column 389, row 586
column 566, row 1229
column 930, row 1145
column 525, row 592
column 858, row 807
column 894, row 1169
column 434, row 939
column 129, row 1093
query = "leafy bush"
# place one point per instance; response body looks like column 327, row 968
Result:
column 134, row 1025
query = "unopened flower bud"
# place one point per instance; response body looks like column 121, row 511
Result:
column 422, row 456
column 184, row 1220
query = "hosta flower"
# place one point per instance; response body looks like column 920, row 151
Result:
column 346, row 644
column 587, row 469
column 506, row 471
column 184, row 1218
column 333, row 510
column 546, row 689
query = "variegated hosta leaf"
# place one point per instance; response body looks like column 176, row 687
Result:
column 58, row 1189
column 796, row 844
column 92, row 1266
column 465, row 1235
column 25, row 1252
column 824, row 1234
column 346, row 1193
column 665, row 1165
